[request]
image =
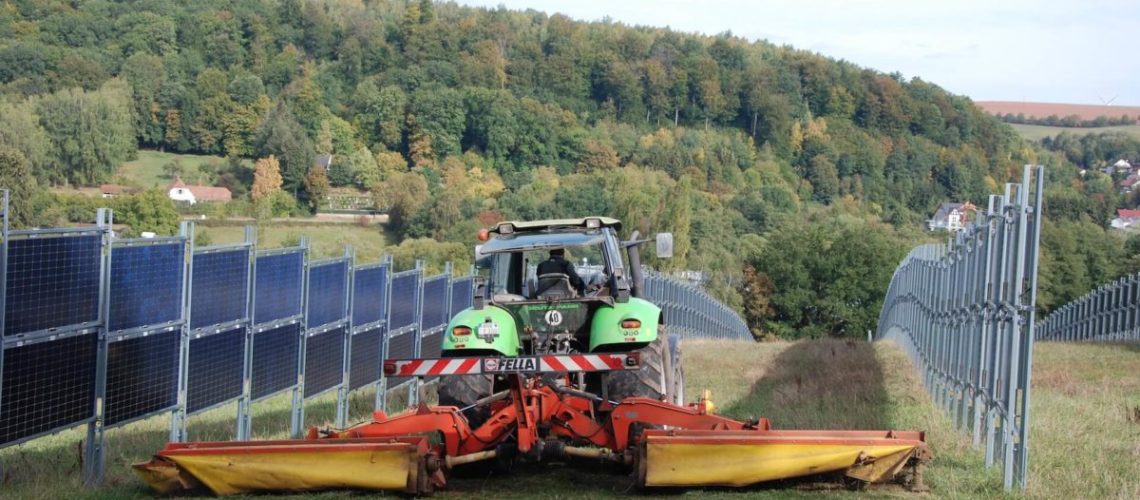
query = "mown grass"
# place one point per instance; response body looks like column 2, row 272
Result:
column 326, row 240
column 1085, row 439
column 1038, row 132
column 146, row 171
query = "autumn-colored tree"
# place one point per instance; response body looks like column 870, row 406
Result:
column 317, row 188
column 402, row 194
column 266, row 178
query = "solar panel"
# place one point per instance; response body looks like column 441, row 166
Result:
column 278, row 287
column 401, row 347
column 324, row 359
column 218, row 289
column 327, row 286
column 142, row 376
column 215, row 373
column 146, row 285
column 275, row 360
column 435, row 303
column 365, row 358
column 52, row 282
column 432, row 345
column 368, row 294
column 47, row 386
column 462, row 295
column 405, row 292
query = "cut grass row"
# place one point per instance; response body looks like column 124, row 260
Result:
column 1085, row 438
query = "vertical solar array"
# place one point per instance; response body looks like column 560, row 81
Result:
column 278, row 295
column 219, row 316
column 326, row 320
column 52, row 297
column 369, row 296
column 436, row 312
column 462, row 295
column 403, row 324
column 144, row 327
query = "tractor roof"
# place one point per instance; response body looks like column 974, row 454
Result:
column 540, row 241
column 543, row 225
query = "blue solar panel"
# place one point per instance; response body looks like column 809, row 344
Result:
column 47, row 386
column 324, row 360
column 146, row 285
column 365, row 358
column 142, row 376
column 327, row 286
column 278, row 287
column 368, row 295
column 403, row 303
column 432, row 345
column 435, row 303
column 402, row 347
column 218, row 289
column 216, row 365
column 52, row 282
column 461, row 295
column 275, row 360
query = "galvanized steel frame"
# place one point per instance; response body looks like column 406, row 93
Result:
column 964, row 312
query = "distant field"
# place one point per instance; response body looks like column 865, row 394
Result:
column 327, row 240
column 1044, row 109
column 1038, row 132
column 146, row 171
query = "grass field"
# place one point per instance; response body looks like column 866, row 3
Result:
column 146, row 171
column 1038, row 132
column 1085, row 434
column 326, row 240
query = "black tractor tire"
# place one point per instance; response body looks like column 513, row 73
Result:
column 465, row 390
column 652, row 380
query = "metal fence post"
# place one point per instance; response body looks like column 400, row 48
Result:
column 297, row 423
column 178, row 418
column 346, row 357
column 245, row 404
column 382, row 383
column 418, row 331
column 3, row 281
column 94, row 453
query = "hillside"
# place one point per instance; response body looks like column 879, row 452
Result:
column 455, row 117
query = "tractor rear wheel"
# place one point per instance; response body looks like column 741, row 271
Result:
column 657, row 377
column 465, row 390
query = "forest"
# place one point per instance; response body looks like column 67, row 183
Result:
column 794, row 181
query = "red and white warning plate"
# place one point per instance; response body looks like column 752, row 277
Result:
column 562, row 363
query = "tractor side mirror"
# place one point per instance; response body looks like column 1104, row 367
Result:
column 664, row 245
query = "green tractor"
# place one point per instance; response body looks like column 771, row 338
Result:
column 518, row 312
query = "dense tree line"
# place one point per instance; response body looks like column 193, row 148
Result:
column 1072, row 121
column 452, row 117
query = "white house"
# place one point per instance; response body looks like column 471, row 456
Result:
column 179, row 191
column 1125, row 218
column 952, row 216
column 1122, row 166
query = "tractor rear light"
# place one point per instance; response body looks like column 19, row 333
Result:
column 389, row 368
column 460, row 331
column 630, row 324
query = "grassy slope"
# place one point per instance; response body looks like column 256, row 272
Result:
column 1038, row 132
column 1085, row 438
column 327, row 240
column 146, row 171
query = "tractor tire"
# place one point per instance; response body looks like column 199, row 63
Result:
column 465, row 390
column 650, row 381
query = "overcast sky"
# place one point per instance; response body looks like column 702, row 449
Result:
column 1012, row 50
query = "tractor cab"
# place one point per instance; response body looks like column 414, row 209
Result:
column 563, row 287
